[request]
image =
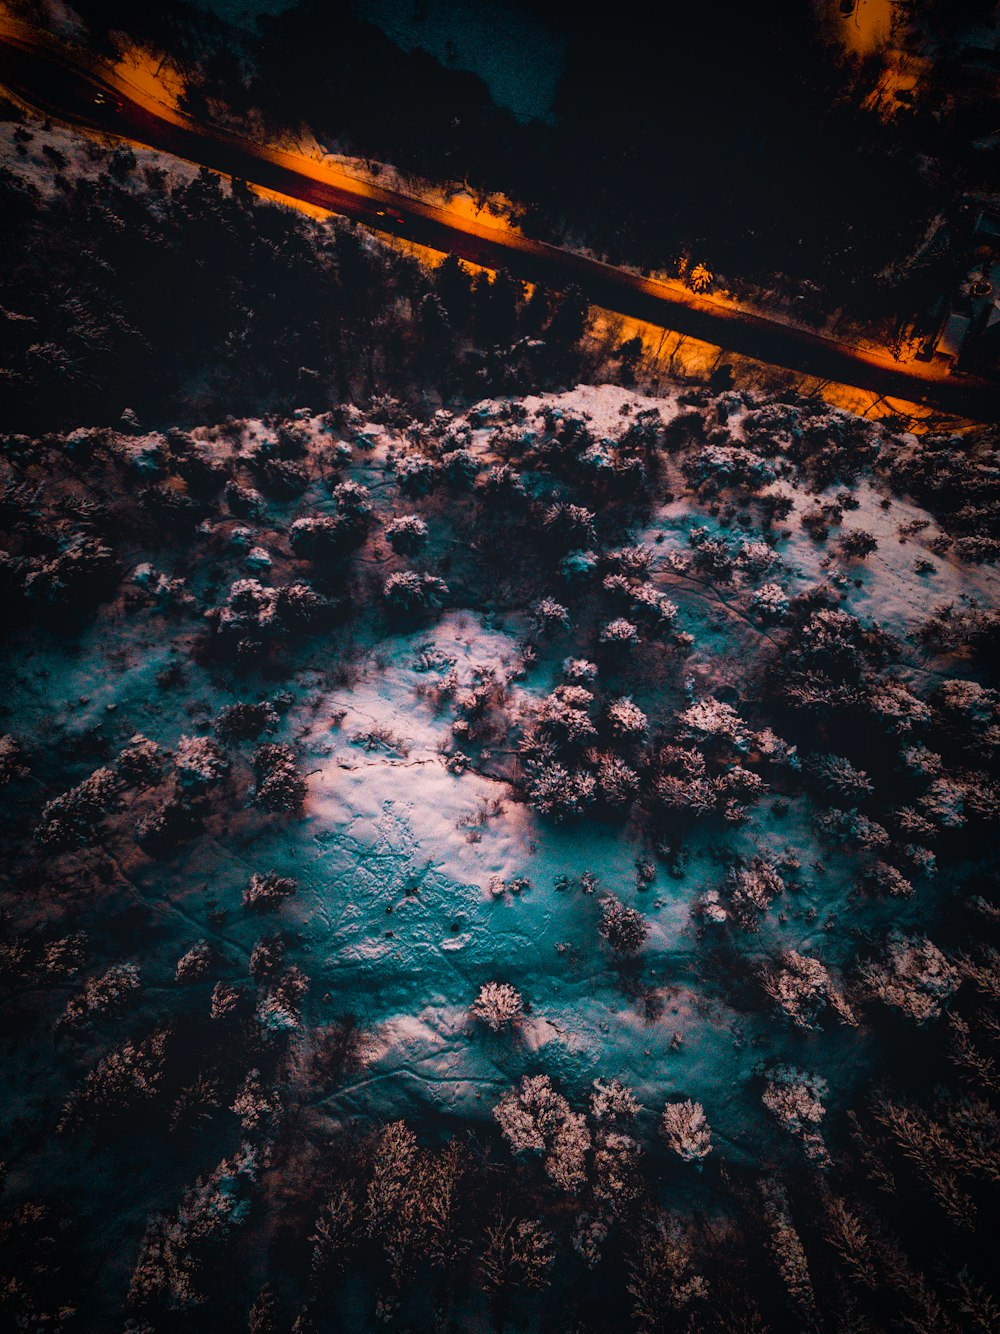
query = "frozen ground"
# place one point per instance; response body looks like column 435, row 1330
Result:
column 398, row 920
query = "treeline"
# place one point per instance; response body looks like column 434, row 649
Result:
column 754, row 147
column 129, row 292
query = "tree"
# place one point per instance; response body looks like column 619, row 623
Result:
column 685, row 1128
column 498, row 1005
column 569, row 322
column 625, row 929
column 454, row 287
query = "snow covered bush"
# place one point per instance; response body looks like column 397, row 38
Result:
column 517, row 1251
column 140, row 761
column 225, row 1001
column 617, row 782
column 576, row 567
column 266, row 892
column 569, row 527
column 802, row 988
column 243, row 501
column 912, row 976
column 299, row 609
column 626, row 719
column 195, row 963
column 554, row 790
column 258, row 1108
column 498, row 1005
column 460, row 468
column 883, row 878
column 417, row 476
column 564, row 714
column 625, row 929
column 852, row 827
column 280, row 787
column 710, row 719
column 550, row 616
column 663, row 1282
column 789, row 1253
column 177, row 1251
column 713, row 467
column 72, row 819
column 534, row 1116
column 406, row 535
column 82, row 574
column 327, row 538
column 685, row 1128
column 279, row 1010
column 839, row 776
column 899, row 709
column 11, row 760
column 124, row 1080
column 245, row 722
column 247, row 618
column 770, row 603
column 795, row 1100
column 413, row 1199
column 406, row 592
column 612, row 1103
column 199, row 763
column 752, row 889
column 619, row 634
column 108, row 994
column 857, row 545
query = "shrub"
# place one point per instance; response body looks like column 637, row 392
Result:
column 123, row 1080
column 141, row 760
column 626, row 719
column 534, row 1116
column 195, row 963
column 199, row 762
column 517, row 1250
column 71, row 819
column 406, row 535
column 554, row 790
column 685, row 1128
column 406, row 592
column 108, row 994
column 280, row 787
column 498, row 1005
column 795, row 1100
column 801, row 987
column 245, row 722
column 625, row 929
column 266, row 892
column 913, row 976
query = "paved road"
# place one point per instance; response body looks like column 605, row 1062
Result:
column 77, row 88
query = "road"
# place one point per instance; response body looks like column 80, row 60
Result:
column 75, row 87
